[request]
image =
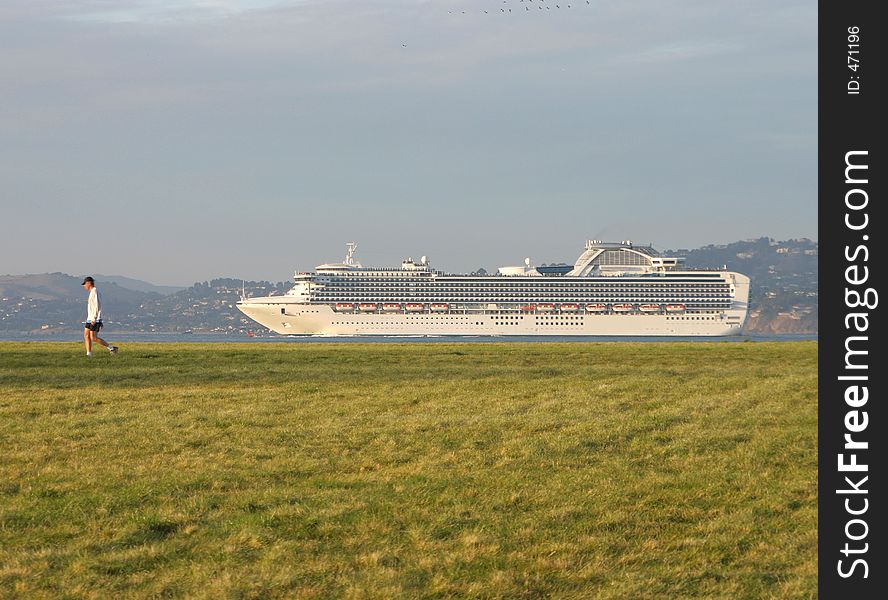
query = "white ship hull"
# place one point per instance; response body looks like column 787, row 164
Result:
column 308, row 319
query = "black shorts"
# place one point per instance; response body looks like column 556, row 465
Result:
column 93, row 326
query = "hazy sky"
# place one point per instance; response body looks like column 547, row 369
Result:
column 176, row 140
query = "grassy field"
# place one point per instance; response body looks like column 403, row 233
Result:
column 580, row 470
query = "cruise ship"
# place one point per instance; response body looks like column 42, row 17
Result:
column 613, row 289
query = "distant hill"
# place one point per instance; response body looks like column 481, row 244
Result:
column 783, row 297
column 783, row 291
column 57, row 300
column 62, row 287
column 138, row 285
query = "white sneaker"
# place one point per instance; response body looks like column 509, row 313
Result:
column 112, row 349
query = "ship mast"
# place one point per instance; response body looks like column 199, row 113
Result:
column 351, row 247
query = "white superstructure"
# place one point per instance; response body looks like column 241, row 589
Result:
column 612, row 289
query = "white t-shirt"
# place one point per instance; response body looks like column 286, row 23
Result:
column 94, row 306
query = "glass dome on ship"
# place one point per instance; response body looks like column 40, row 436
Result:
column 613, row 289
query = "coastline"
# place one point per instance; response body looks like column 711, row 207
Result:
column 181, row 338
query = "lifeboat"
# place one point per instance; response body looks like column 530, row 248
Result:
column 621, row 307
column 391, row 306
column 569, row 307
column 345, row 306
column 675, row 307
column 414, row 306
column 368, row 306
column 439, row 306
column 649, row 308
column 545, row 306
column 596, row 307
column 528, row 307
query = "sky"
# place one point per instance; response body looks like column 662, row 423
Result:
column 180, row 140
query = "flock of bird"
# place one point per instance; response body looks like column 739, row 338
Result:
column 528, row 5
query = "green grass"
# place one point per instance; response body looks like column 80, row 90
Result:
column 579, row 470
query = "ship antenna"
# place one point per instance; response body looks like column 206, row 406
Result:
column 243, row 290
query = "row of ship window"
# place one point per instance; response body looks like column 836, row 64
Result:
column 691, row 319
column 519, row 281
column 513, row 286
column 601, row 298
column 573, row 321
column 436, row 291
column 537, row 289
column 716, row 304
column 350, row 278
column 625, row 290
column 505, row 315
column 523, row 294
column 397, row 274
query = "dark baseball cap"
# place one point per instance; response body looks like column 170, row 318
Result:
column 87, row 278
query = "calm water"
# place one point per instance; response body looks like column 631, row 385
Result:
column 181, row 338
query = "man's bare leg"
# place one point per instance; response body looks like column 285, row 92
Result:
column 87, row 339
column 95, row 338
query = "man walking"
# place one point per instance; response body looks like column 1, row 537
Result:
column 93, row 319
